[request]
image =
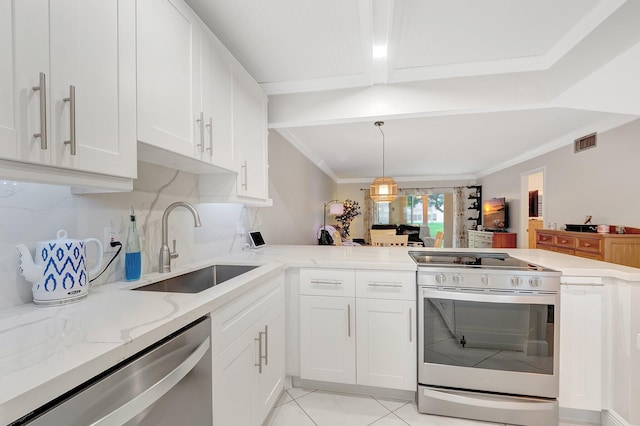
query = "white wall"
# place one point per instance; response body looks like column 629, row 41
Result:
column 299, row 190
column 601, row 182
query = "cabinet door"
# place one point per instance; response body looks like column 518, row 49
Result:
column 234, row 371
column 270, row 382
column 93, row 50
column 581, row 347
column 250, row 134
column 8, row 131
column 328, row 339
column 31, row 56
column 168, row 76
column 386, row 336
column 217, row 102
column 505, row 240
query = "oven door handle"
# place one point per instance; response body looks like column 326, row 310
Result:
column 487, row 402
column 542, row 299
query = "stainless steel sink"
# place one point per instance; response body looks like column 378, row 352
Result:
column 197, row 281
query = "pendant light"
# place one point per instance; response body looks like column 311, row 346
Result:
column 383, row 189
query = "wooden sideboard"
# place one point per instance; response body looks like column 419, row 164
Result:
column 485, row 239
column 623, row 249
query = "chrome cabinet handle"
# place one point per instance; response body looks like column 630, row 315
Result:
column 42, row 88
column 137, row 405
column 201, row 121
column 266, row 345
column 382, row 284
column 244, row 167
column 332, row 282
column 72, row 119
column 348, row 320
column 261, row 355
column 210, row 126
column 259, row 364
column 410, row 325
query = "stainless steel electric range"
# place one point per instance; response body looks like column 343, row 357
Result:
column 488, row 327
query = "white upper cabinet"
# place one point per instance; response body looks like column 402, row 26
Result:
column 199, row 110
column 73, row 86
column 250, row 134
column 184, row 90
column 216, row 104
column 8, row 131
column 168, row 75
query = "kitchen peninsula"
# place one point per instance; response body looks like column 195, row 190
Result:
column 47, row 351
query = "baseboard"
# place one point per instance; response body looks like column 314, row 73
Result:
column 574, row 415
column 611, row 418
column 354, row 389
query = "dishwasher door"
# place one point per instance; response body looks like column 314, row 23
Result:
column 168, row 383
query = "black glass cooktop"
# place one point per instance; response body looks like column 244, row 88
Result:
column 471, row 260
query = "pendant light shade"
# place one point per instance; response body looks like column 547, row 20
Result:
column 383, row 189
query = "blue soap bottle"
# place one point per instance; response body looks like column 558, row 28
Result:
column 132, row 257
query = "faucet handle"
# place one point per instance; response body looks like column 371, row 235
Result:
column 173, row 253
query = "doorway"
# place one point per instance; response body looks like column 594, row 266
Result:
column 533, row 206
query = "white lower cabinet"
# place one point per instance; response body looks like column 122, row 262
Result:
column 581, row 347
column 248, row 356
column 327, row 339
column 386, row 341
column 346, row 338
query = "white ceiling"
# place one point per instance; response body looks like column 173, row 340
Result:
column 467, row 86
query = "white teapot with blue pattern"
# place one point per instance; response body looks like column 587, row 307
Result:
column 59, row 272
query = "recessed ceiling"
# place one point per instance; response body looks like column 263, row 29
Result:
column 494, row 68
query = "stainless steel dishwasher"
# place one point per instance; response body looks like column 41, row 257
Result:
column 169, row 383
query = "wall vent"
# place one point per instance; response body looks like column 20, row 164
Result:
column 584, row 142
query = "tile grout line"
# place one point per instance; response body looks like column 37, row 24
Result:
column 303, row 410
column 378, row 419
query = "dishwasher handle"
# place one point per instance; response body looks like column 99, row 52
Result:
column 129, row 410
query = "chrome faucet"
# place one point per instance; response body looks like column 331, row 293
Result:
column 165, row 254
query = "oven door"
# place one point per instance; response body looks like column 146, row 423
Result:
column 505, row 342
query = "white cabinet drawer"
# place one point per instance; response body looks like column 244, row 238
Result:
column 229, row 322
column 399, row 285
column 328, row 282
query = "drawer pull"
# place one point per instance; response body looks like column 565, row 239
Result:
column 348, row 320
column 329, row 282
column 383, row 284
column 410, row 325
column 563, row 241
column 587, row 244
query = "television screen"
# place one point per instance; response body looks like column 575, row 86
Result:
column 533, row 203
column 495, row 214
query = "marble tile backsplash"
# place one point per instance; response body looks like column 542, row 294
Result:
column 35, row 212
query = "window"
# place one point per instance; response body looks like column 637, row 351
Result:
column 410, row 210
column 421, row 211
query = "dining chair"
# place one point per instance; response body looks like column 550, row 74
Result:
column 379, row 232
column 337, row 238
column 439, row 239
column 389, row 240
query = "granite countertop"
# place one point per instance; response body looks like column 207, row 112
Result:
column 45, row 352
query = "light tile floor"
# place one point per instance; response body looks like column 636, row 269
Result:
column 309, row 407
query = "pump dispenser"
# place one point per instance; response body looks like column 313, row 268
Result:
column 132, row 257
